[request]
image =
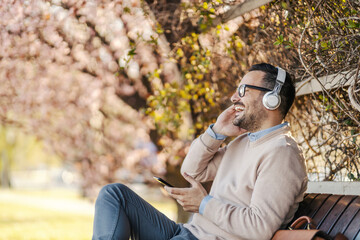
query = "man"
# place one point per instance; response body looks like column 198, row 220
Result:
column 258, row 178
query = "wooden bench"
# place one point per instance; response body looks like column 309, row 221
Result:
column 333, row 213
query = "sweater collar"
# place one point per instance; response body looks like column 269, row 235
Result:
column 257, row 135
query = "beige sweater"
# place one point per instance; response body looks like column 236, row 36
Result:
column 257, row 185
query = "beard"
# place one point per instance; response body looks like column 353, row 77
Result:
column 251, row 121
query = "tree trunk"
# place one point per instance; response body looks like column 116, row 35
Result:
column 5, row 170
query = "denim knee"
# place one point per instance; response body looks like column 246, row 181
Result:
column 112, row 190
column 112, row 187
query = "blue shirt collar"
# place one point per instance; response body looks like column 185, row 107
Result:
column 257, row 135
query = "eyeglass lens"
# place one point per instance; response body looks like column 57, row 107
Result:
column 241, row 90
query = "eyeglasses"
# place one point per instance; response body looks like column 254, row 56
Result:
column 241, row 89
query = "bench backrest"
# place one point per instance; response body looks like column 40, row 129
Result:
column 333, row 213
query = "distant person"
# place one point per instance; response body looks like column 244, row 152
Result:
column 259, row 178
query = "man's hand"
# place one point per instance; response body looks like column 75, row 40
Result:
column 224, row 124
column 189, row 198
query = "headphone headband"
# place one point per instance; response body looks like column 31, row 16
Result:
column 272, row 100
column 280, row 79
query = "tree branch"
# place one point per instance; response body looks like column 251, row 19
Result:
column 239, row 10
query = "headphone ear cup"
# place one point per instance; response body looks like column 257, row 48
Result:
column 271, row 101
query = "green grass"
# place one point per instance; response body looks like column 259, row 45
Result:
column 24, row 222
column 21, row 218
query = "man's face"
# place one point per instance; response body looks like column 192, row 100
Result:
column 250, row 112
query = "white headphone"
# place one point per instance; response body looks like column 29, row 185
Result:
column 272, row 100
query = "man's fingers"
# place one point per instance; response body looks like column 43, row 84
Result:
column 190, row 208
column 190, row 179
column 187, row 207
column 176, row 191
column 178, row 197
column 230, row 109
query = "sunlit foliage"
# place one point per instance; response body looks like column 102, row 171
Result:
column 102, row 81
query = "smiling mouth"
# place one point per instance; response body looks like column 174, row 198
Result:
column 239, row 108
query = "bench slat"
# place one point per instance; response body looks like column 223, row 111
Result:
column 322, row 215
column 353, row 228
column 346, row 218
column 316, row 204
column 336, row 213
column 308, row 199
column 333, row 213
column 358, row 236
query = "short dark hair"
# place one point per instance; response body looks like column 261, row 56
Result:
column 287, row 92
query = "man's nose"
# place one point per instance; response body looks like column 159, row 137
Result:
column 235, row 97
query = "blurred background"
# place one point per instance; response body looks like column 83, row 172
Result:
column 97, row 92
column 42, row 197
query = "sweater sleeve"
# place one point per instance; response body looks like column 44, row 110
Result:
column 281, row 179
column 203, row 158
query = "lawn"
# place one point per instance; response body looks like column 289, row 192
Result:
column 39, row 215
column 24, row 222
column 49, row 215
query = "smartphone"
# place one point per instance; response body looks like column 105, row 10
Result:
column 163, row 182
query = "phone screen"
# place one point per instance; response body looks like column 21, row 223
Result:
column 163, row 182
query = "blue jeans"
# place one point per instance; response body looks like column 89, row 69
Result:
column 120, row 214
